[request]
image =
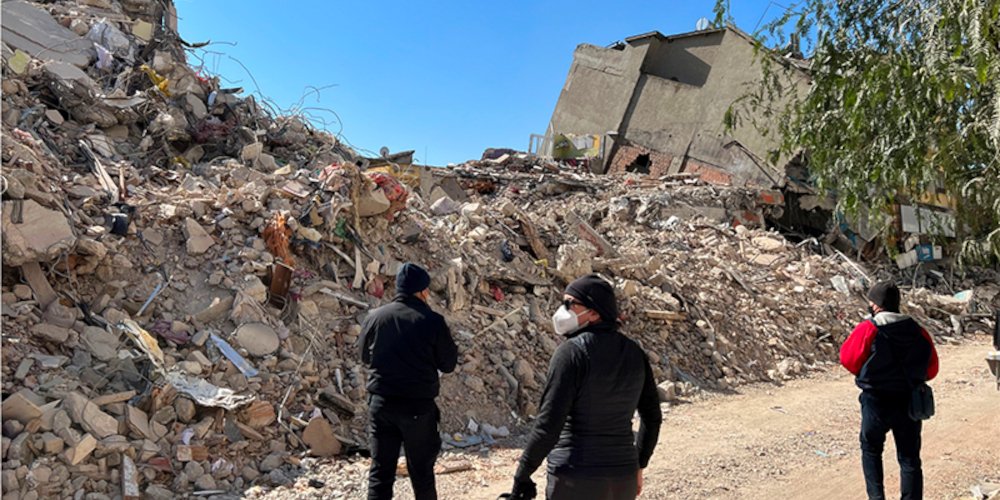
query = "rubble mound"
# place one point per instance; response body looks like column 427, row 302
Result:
column 184, row 273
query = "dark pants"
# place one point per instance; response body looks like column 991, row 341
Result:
column 564, row 487
column 881, row 413
column 418, row 433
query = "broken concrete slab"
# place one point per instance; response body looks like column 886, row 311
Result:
column 20, row 407
column 34, row 31
column 38, row 235
column 198, row 240
column 320, row 438
column 39, row 284
column 101, row 343
column 138, row 422
column 89, row 416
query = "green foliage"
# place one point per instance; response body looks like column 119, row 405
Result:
column 904, row 100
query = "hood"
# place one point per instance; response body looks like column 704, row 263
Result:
column 888, row 318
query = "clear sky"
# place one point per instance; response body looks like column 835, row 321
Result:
column 447, row 79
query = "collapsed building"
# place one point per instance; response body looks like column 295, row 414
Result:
column 185, row 273
column 656, row 105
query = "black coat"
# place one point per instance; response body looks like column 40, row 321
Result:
column 405, row 343
column 596, row 381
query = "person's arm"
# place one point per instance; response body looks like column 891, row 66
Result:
column 932, row 366
column 564, row 378
column 858, row 346
column 367, row 338
column 650, row 417
column 445, row 350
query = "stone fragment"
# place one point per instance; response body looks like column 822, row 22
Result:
column 51, row 444
column 216, row 310
column 138, row 422
column 79, row 452
column 40, row 236
column 21, row 406
column 89, row 416
column 22, row 292
column 23, row 367
column 320, row 438
column 20, row 449
column 158, row 492
column 272, row 461
column 51, row 333
column 259, row 414
column 101, row 343
column 667, row 391
column 185, row 409
column 257, row 338
column 198, row 240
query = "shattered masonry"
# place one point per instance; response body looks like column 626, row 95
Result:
column 184, row 274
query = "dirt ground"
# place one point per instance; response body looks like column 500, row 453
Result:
column 797, row 441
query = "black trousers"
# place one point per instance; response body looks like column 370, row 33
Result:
column 565, row 487
column 418, row 434
column 881, row 413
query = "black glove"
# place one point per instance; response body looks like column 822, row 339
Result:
column 523, row 490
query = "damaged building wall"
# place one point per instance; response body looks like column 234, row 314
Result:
column 597, row 90
column 676, row 108
column 687, row 60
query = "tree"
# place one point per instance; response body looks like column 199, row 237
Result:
column 904, row 100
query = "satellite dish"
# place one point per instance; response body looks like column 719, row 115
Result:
column 702, row 24
column 384, row 152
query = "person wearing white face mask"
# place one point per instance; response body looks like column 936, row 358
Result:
column 596, row 381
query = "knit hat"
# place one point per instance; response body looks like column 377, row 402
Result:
column 885, row 294
column 411, row 279
column 597, row 294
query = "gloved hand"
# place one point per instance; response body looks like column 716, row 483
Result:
column 523, row 490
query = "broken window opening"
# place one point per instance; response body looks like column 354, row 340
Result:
column 640, row 165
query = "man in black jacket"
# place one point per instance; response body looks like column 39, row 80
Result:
column 889, row 354
column 597, row 379
column 405, row 344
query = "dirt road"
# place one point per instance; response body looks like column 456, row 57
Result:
column 767, row 442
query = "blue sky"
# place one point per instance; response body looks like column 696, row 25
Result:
column 447, row 79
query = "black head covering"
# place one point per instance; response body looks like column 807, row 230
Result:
column 411, row 279
column 597, row 294
column 885, row 294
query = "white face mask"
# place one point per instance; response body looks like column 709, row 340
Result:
column 565, row 321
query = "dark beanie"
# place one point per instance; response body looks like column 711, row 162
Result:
column 411, row 279
column 885, row 294
column 597, row 294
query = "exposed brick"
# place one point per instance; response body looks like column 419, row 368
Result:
column 709, row 173
column 626, row 155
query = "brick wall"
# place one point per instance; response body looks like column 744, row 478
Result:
column 626, row 156
column 708, row 173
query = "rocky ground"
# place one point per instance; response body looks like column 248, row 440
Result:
column 795, row 440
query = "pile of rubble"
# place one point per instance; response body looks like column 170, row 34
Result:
column 184, row 274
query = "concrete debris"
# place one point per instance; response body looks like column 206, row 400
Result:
column 320, row 438
column 189, row 272
column 88, row 415
column 37, row 235
column 258, row 339
column 198, row 240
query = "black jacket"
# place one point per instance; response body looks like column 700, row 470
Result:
column 405, row 344
column 596, row 381
column 900, row 357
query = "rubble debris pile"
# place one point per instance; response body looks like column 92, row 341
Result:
column 184, row 274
